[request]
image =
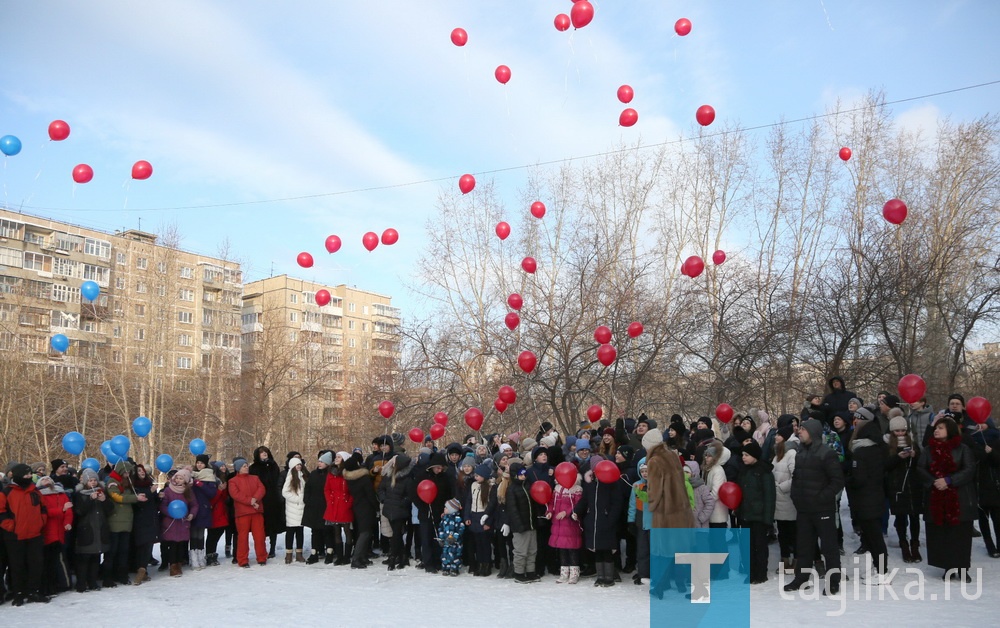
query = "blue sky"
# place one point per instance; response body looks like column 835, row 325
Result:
column 254, row 101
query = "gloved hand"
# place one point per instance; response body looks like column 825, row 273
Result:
column 505, row 530
column 482, row 520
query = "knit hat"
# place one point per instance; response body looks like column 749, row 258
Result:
column 20, row 470
column 437, row 460
column 678, row 427
column 326, row 458
column 506, row 447
column 238, row 463
column 626, row 451
column 425, row 451
column 354, row 462
column 397, row 439
column 651, row 438
column 468, row 461
column 515, row 468
column 864, row 414
column 583, row 443
column 528, row 444
column 549, row 441
column 452, row 505
column 894, row 412
column 203, row 458
column 55, row 464
column 343, row 455
column 87, row 475
column 891, row 401
column 546, row 426
column 185, row 474
column 753, row 449
column 484, row 471
column 608, row 432
column 693, row 467
column 642, row 464
column 514, row 437
column 897, row 423
column 786, row 432
column 292, row 463
column 855, row 401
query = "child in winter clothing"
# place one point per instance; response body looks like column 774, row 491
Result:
column 638, row 506
column 904, row 489
column 175, row 533
column 521, row 514
column 22, row 517
column 756, row 510
column 204, row 486
column 566, row 536
column 339, row 513
column 294, row 493
column 247, row 492
column 477, row 517
column 145, row 523
column 449, row 535
column 59, row 511
column 119, row 490
column 91, row 508
column 704, row 501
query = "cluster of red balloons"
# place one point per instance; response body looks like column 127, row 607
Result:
column 506, row 396
column 628, row 116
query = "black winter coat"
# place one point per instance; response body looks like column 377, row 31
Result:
column 522, row 511
column 988, row 469
column 600, row 509
column 497, row 511
column 759, row 493
column 963, row 480
column 365, row 508
column 270, row 476
column 397, row 501
column 90, row 521
column 314, row 498
column 866, row 482
column 902, row 485
column 445, row 490
column 145, row 516
column 818, row 475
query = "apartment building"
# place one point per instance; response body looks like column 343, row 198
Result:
column 331, row 352
column 164, row 312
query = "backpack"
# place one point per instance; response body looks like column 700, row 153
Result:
column 832, row 440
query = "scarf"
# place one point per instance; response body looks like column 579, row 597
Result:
column 177, row 489
column 944, row 507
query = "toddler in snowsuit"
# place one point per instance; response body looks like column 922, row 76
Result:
column 449, row 535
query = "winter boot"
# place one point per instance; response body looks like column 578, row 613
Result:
column 140, row 576
column 834, row 586
column 800, row 581
column 487, row 570
column 610, row 575
column 783, row 564
column 213, row 559
column 915, row 550
column 313, row 558
column 329, row 556
column 574, row 575
column 175, row 570
column 904, row 547
column 299, row 558
column 202, row 559
column 192, row 559
column 520, row 578
column 229, row 551
column 563, row 575
column 599, row 567
column 390, row 561
column 289, row 557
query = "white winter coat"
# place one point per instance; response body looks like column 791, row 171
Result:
column 784, row 469
column 714, row 479
column 295, row 504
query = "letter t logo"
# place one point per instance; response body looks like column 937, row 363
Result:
column 701, row 577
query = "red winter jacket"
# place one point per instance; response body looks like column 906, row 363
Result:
column 21, row 511
column 243, row 487
column 339, row 503
column 220, row 512
column 58, row 518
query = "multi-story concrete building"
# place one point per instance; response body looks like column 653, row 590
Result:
column 329, row 353
column 162, row 312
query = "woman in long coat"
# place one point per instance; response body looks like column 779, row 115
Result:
column 269, row 473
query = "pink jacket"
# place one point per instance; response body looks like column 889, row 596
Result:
column 566, row 533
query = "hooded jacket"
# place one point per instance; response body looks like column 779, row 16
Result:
column 58, row 514
column 757, row 483
column 704, row 501
column 836, row 400
column 270, row 477
column 818, row 474
column 566, row 532
column 359, row 484
column 866, row 481
column 314, row 499
column 92, row 533
column 783, row 471
column 714, row 478
column 295, row 501
column 21, row 511
column 396, row 490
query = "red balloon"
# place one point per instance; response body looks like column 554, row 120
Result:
column 694, row 266
column 507, row 394
column 607, row 471
column 894, row 211
column 566, row 474
column 333, row 244
column 582, row 13
column 503, row 230
column 684, row 268
column 390, row 236
column 845, row 153
column 466, row 183
column 322, row 297
column 502, row 73
column 731, row 495
column 142, row 170
column 538, row 209
column 474, row 418
column 500, row 405
column 911, row 388
column 512, row 320
column 386, row 409
column 705, row 115
column 978, row 409
column 529, row 265
column 625, row 94
column 635, row 329
column 515, row 301
column 83, row 173
column 562, row 22
column 459, row 37
column 602, row 335
column 724, row 412
column 527, row 361
column 59, row 130
column 628, row 117
column 441, row 418
column 541, row 492
column 718, row 257
column 427, row 490
column 437, row 431
column 370, row 240
column 417, row 435
column 682, row 26
column 305, row 260
column 594, row 413
column 606, row 354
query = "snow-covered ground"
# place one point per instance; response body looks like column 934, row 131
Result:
column 339, row 596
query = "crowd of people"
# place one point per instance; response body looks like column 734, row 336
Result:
column 474, row 505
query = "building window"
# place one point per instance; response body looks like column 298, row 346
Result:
column 120, row 258
column 185, row 317
column 116, row 331
column 184, row 340
column 294, row 298
column 186, row 273
column 37, row 261
column 161, row 290
column 292, row 336
column 364, row 310
column 140, row 309
column 161, row 267
column 159, row 361
column 11, row 257
column 350, row 307
column 65, row 294
column 140, row 334
column 186, row 295
column 141, row 263
column 140, row 287
column 99, row 248
column 364, row 326
column 350, row 324
column 60, row 266
column 116, row 356
column 353, row 361
column 184, row 363
column 351, row 343
column 100, row 274
column 293, row 317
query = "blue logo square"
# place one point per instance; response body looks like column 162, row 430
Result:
column 699, row 577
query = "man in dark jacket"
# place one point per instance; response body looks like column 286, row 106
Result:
column 429, row 515
column 836, row 400
column 817, row 480
column 22, row 518
column 866, row 487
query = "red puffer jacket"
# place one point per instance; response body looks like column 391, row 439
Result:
column 220, row 512
column 339, row 503
column 21, row 511
column 58, row 515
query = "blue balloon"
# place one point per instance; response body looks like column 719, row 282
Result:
column 74, row 442
column 10, row 145
column 89, row 290
column 164, row 463
column 198, row 446
column 60, row 343
column 178, row 509
column 120, row 445
column 92, row 464
column 109, row 453
column 141, row 426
